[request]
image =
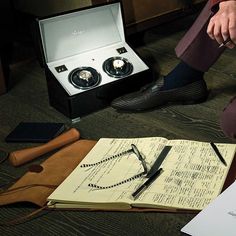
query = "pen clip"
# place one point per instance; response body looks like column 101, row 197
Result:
column 160, row 158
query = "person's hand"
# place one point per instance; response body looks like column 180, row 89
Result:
column 223, row 24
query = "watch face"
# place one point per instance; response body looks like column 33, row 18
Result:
column 117, row 67
column 84, row 77
column 118, row 64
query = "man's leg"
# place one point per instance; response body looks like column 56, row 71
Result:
column 196, row 48
column 194, row 43
column 197, row 53
column 185, row 83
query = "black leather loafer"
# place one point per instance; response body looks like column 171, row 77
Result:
column 152, row 96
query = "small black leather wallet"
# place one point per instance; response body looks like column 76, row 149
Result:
column 35, row 132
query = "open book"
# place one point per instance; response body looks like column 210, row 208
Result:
column 111, row 172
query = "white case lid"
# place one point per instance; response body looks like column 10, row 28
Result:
column 84, row 30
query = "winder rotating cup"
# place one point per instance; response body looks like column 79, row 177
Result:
column 84, row 77
column 117, row 67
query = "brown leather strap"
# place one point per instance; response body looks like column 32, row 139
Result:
column 20, row 188
column 23, row 218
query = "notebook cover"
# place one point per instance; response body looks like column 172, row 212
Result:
column 35, row 132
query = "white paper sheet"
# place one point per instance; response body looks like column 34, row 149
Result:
column 218, row 218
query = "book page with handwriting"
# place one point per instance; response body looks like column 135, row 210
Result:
column 193, row 176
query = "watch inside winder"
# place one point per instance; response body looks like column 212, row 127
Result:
column 117, row 67
column 84, row 77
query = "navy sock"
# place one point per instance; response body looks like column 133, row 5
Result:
column 182, row 75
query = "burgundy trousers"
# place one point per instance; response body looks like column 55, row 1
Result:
column 199, row 51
